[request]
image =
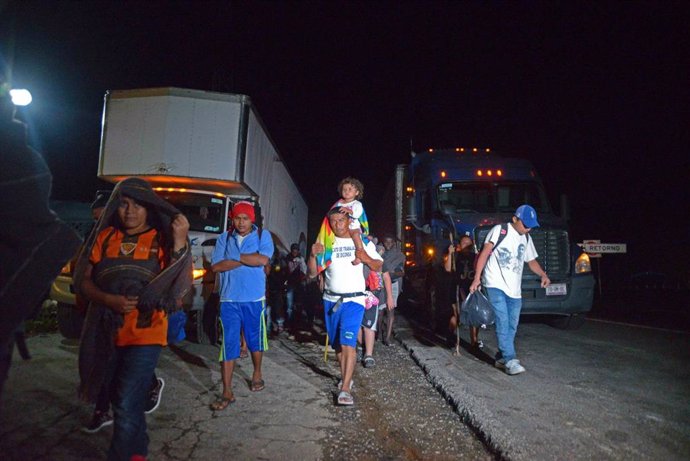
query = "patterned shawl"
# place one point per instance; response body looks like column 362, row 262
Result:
column 163, row 292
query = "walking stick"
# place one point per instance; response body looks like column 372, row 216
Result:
column 456, row 308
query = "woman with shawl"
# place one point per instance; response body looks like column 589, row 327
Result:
column 134, row 269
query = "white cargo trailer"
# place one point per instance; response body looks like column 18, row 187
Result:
column 203, row 151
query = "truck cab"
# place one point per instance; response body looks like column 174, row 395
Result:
column 453, row 192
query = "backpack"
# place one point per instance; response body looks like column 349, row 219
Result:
column 501, row 236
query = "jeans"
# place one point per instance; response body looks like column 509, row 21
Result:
column 290, row 301
column 507, row 311
column 134, row 366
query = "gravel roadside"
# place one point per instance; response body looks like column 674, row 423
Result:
column 397, row 413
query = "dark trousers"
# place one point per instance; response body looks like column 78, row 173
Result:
column 133, row 368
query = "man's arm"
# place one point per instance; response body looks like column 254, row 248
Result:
column 316, row 248
column 390, row 302
column 481, row 263
column 447, row 265
column 374, row 264
column 536, row 268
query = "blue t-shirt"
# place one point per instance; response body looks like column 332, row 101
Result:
column 245, row 283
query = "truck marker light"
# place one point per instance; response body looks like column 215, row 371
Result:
column 487, row 150
column 499, row 173
column 489, row 173
column 408, row 228
column 479, row 172
column 431, row 150
column 408, row 245
column 474, row 149
column 430, row 251
column 443, row 174
column 198, row 273
column 409, row 189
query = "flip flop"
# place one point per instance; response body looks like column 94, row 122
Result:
column 345, row 399
column 257, row 386
column 222, row 403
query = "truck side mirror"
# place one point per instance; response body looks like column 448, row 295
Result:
column 565, row 208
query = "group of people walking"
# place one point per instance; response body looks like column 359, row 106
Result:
column 136, row 266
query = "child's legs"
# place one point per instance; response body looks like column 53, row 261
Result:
column 356, row 235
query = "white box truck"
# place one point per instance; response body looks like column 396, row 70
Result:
column 202, row 151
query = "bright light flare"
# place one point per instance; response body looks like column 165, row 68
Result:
column 21, row 97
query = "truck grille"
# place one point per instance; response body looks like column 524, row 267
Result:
column 551, row 245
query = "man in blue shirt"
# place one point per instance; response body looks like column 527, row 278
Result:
column 239, row 257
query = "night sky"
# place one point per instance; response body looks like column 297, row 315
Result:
column 596, row 94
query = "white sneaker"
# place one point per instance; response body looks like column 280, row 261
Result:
column 513, row 367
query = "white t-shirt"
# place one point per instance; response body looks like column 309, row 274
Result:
column 357, row 209
column 503, row 269
column 341, row 276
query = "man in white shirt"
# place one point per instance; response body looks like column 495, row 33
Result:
column 343, row 296
column 499, row 269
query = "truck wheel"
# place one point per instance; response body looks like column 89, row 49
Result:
column 205, row 322
column 69, row 320
column 569, row 322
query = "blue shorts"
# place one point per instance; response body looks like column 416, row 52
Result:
column 342, row 325
column 249, row 317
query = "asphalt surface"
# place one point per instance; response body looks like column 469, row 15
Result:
column 605, row 391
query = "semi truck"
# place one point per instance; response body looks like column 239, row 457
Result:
column 446, row 193
column 202, row 151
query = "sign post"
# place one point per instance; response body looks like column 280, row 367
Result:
column 595, row 249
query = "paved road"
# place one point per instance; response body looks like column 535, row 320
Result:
column 606, row 391
column 398, row 414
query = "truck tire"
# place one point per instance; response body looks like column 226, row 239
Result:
column 569, row 322
column 205, row 324
column 70, row 321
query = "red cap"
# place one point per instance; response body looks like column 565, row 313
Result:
column 244, row 208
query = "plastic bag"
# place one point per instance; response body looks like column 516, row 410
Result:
column 371, row 300
column 477, row 311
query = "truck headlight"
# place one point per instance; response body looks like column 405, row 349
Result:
column 583, row 264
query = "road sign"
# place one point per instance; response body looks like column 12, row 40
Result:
column 591, row 255
column 605, row 247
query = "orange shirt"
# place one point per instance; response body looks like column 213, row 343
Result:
column 134, row 247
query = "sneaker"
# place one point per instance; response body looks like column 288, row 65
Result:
column 500, row 364
column 99, row 420
column 154, row 399
column 513, row 367
column 369, row 362
column 360, row 354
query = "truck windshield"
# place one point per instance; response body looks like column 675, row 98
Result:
column 206, row 213
column 491, row 197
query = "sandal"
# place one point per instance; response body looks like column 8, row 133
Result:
column 352, row 384
column 257, row 386
column 345, row 398
column 222, row 403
